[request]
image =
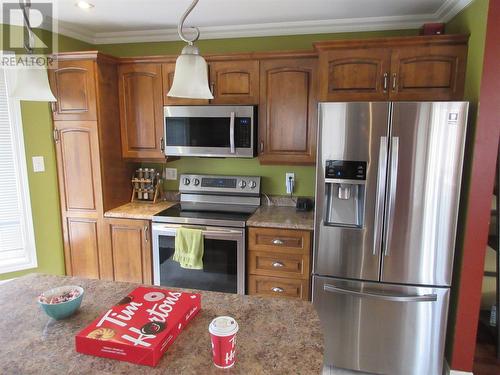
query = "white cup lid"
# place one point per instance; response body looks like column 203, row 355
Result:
column 223, row 326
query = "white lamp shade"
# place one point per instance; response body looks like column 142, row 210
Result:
column 190, row 78
column 32, row 84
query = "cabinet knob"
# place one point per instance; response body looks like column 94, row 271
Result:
column 386, row 76
column 146, row 233
column 277, row 289
column 394, row 81
column 277, row 241
column 162, row 145
column 278, row 264
column 261, row 146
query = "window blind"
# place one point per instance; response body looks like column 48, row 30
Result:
column 17, row 250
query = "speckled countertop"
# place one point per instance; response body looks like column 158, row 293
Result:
column 276, row 336
column 138, row 210
column 281, row 217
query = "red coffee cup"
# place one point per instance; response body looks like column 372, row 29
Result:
column 223, row 336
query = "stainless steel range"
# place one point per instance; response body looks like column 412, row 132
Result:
column 220, row 207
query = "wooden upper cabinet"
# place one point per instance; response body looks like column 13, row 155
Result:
column 131, row 250
column 354, row 74
column 235, row 82
column 77, row 149
column 141, row 110
column 168, row 70
column 73, row 84
column 428, row 72
column 287, row 111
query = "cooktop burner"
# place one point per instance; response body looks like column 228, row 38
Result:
column 176, row 214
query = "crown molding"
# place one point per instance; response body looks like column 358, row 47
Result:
column 447, row 11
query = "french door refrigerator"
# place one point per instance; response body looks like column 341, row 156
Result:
column 387, row 194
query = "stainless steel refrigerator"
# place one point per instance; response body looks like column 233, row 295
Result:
column 387, row 193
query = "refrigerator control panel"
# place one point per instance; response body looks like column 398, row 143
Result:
column 345, row 169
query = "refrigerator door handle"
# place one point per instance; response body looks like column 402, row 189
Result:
column 379, row 200
column 385, row 297
column 393, row 173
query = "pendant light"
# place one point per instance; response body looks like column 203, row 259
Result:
column 191, row 71
column 31, row 83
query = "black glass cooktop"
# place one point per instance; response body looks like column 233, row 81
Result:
column 207, row 217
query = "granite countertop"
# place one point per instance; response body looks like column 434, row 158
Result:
column 281, row 217
column 138, row 210
column 276, row 336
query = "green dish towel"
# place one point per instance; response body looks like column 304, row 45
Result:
column 189, row 248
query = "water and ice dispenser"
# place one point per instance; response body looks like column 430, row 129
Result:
column 345, row 193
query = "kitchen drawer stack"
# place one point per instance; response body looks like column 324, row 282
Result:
column 279, row 262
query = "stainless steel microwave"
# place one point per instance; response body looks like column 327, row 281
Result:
column 217, row 131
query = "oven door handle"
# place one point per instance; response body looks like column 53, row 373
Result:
column 206, row 231
column 231, row 132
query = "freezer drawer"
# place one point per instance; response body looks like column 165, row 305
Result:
column 382, row 328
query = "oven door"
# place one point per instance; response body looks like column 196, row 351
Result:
column 223, row 259
column 219, row 131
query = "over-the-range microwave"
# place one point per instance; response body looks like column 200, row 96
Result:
column 211, row 131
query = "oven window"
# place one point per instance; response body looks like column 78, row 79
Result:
column 219, row 267
column 206, row 131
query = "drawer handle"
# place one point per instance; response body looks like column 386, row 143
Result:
column 277, row 289
column 277, row 241
column 278, row 264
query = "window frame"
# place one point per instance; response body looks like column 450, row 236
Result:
column 16, row 126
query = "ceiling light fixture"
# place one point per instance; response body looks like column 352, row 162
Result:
column 191, row 72
column 84, row 5
column 31, row 83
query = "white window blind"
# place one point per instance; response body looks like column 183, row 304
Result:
column 17, row 245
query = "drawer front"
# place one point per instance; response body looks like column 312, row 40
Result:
column 278, row 264
column 279, row 240
column 278, row 287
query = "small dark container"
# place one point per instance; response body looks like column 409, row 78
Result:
column 304, row 204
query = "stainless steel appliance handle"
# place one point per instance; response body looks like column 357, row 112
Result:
column 393, row 174
column 379, row 199
column 231, row 132
column 171, row 229
column 385, row 297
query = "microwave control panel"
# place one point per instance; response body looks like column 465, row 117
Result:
column 345, row 170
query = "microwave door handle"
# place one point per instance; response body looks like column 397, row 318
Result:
column 231, row 132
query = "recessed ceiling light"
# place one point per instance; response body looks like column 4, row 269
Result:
column 84, row 5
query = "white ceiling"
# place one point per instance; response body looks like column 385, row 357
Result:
column 121, row 21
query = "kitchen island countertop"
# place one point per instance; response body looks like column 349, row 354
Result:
column 281, row 217
column 276, row 336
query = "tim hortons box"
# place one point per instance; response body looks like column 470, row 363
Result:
column 141, row 327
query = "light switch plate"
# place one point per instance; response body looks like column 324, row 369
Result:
column 38, row 164
column 170, row 173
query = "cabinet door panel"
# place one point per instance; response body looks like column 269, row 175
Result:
column 167, row 71
column 77, row 149
column 141, row 110
column 428, row 73
column 131, row 250
column 235, row 82
column 73, row 85
column 81, row 247
column 287, row 123
column 354, row 74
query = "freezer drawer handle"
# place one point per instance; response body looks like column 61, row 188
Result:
column 385, row 297
column 277, row 289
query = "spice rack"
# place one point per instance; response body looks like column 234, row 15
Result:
column 146, row 185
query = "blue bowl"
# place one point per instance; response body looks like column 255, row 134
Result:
column 64, row 309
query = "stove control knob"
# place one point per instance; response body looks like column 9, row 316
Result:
column 242, row 184
column 252, row 184
column 196, row 182
column 186, row 181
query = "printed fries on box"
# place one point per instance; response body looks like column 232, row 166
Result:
column 141, row 327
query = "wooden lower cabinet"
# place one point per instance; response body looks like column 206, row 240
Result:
column 130, row 249
column 279, row 262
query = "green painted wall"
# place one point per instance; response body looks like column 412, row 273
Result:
column 471, row 20
column 44, row 193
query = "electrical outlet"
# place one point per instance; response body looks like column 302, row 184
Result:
column 170, row 173
column 38, row 164
column 289, row 182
